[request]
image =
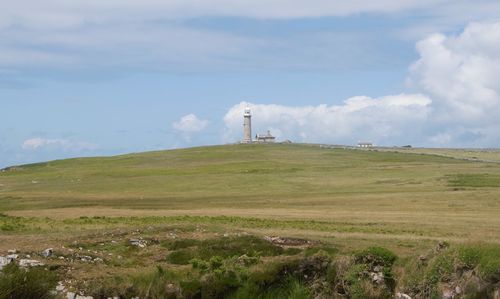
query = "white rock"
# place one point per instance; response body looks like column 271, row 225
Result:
column 70, row 295
column 12, row 251
column 402, row 296
column 12, row 257
column 377, row 277
column 3, row 262
column 48, row 252
column 29, row 263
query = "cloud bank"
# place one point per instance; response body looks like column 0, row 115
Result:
column 157, row 35
column 457, row 101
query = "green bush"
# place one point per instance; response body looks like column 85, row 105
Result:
column 34, row 283
column 376, row 256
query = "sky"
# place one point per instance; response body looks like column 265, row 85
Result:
column 90, row 78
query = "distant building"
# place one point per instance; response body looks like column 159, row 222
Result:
column 365, row 144
column 265, row 138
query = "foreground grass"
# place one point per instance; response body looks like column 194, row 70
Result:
column 185, row 261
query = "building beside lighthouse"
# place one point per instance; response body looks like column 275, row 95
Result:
column 247, row 131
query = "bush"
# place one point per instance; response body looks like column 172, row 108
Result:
column 34, row 283
column 376, row 256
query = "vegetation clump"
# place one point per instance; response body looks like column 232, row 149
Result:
column 32, row 283
column 226, row 247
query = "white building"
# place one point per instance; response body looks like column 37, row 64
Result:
column 265, row 138
column 365, row 144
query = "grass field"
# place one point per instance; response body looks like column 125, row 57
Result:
column 348, row 199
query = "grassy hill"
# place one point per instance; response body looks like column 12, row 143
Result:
column 362, row 191
column 209, row 206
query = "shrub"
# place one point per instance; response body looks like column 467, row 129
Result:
column 376, row 256
column 34, row 283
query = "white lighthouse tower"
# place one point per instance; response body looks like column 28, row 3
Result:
column 247, row 126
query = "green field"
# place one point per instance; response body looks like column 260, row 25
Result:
column 346, row 199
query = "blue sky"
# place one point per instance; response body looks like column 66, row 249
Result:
column 101, row 78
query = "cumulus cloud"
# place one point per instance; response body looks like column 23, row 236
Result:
column 460, row 73
column 39, row 143
column 381, row 120
column 457, row 104
column 190, row 124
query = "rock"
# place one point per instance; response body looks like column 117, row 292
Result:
column 60, row 287
column 48, row 252
column 12, row 251
column 458, row 290
column 12, row 257
column 85, row 258
column 70, row 295
column 4, row 262
column 83, row 297
column 138, row 242
column 402, row 296
column 377, row 277
column 30, row 263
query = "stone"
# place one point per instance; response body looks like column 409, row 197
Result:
column 85, row 258
column 377, row 277
column 4, row 262
column 48, row 252
column 30, row 263
column 138, row 242
column 12, row 251
column 12, row 257
column 60, row 287
column 83, row 297
column 402, row 296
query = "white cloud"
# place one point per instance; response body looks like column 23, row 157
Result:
column 55, row 13
column 153, row 35
column 190, row 124
column 457, row 104
column 460, row 73
column 381, row 120
column 39, row 143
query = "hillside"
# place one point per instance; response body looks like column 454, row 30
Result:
column 130, row 222
column 364, row 191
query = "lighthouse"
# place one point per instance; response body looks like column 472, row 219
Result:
column 247, row 126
